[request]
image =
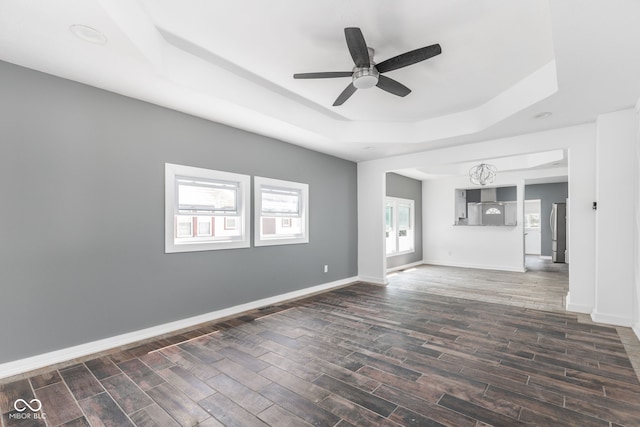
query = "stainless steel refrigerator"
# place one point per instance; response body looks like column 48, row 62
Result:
column 558, row 223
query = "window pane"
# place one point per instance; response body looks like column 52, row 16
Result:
column 203, row 196
column 532, row 220
column 204, row 226
column 184, row 227
column 207, row 228
column 388, row 213
column 404, row 217
column 276, row 201
column 278, row 227
column 405, row 240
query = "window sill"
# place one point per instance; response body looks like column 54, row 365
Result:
column 401, row 253
column 276, row 242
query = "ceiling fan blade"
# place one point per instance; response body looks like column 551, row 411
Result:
column 323, row 75
column 357, row 46
column 346, row 94
column 392, row 86
column 409, row 58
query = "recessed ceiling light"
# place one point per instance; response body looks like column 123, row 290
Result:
column 542, row 115
column 88, row 34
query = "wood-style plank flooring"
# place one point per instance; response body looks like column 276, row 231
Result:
column 363, row 355
column 544, row 286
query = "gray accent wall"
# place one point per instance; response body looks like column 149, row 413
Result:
column 82, row 216
column 507, row 194
column 548, row 195
column 407, row 188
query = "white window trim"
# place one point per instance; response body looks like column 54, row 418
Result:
column 173, row 170
column 258, row 182
column 411, row 203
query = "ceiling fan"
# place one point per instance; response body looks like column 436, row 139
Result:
column 367, row 73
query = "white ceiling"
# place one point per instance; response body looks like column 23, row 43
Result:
column 533, row 167
column 279, row 38
column 503, row 61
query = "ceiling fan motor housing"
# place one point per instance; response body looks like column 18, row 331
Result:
column 364, row 78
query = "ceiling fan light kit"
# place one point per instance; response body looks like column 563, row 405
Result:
column 367, row 73
column 364, row 78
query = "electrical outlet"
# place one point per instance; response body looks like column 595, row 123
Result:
column 326, row 268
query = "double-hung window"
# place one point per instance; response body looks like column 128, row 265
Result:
column 281, row 212
column 399, row 226
column 205, row 209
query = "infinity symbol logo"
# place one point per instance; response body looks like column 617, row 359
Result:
column 37, row 405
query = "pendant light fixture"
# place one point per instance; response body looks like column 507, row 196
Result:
column 482, row 174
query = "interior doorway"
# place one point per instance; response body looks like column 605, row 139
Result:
column 532, row 231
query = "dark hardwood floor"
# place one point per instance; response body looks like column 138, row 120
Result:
column 362, row 355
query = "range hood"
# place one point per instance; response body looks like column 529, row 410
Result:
column 488, row 194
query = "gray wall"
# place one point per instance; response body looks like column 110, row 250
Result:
column 82, row 216
column 507, row 194
column 548, row 195
column 407, row 188
column 473, row 196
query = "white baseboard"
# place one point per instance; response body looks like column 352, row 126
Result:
column 611, row 319
column 546, row 257
column 20, row 366
column 404, row 267
column 576, row 308
column 477, row 266
column 374, row 280
column 636, row 330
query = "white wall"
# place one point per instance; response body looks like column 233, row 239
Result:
column 636, row 232
column 372, row 260
column 604, row 273
column 580, row 142
column 581, row 223
column 615, row 276
column 495, row 248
